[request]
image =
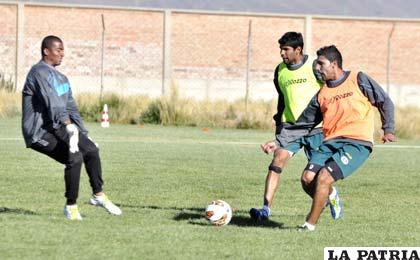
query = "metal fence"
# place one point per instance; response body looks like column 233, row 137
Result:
column 206, row 55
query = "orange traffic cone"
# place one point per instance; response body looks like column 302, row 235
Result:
column 105, row 118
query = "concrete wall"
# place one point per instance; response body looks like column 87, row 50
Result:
column 8, row 39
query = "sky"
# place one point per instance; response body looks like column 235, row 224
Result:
column 406, row 9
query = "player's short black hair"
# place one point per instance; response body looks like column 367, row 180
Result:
column 47, row 43
column 332, row 54
column 292, row 39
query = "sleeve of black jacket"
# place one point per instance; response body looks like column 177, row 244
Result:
column 378, row 98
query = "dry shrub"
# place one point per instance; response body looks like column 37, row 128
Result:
column 10, row 104
column 407, row 121
column 173, row 110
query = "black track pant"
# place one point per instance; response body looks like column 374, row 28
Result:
column 55, row 145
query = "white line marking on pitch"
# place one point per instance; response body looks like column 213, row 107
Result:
column 389, row 146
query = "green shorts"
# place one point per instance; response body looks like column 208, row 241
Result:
column 309, row 143
column 340, row 157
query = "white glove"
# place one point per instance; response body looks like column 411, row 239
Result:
column 74, row 137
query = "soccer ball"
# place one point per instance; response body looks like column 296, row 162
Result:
column 219, row 213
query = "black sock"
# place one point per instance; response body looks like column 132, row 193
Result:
column 71, row 202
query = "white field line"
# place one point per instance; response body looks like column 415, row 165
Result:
column 137, row 140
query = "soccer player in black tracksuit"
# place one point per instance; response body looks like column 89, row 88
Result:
column 51, row 124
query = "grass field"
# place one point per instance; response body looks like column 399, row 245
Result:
column 163, row 177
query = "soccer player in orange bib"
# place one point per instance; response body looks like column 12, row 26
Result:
column 345, row 105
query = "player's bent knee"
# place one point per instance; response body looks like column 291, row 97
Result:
column 95, row 150
column 324, row 177
column 281, row 157
column 275, row 169
column 307, row 178
column 92, row 149
column 93, row 154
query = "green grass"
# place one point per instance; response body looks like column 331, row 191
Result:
column 163, row 177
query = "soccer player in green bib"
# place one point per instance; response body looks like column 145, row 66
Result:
column 296, row 82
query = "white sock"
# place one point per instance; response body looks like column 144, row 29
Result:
column 333, row 192
column 266, row 208
column 99, row 197
column 309, row 226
